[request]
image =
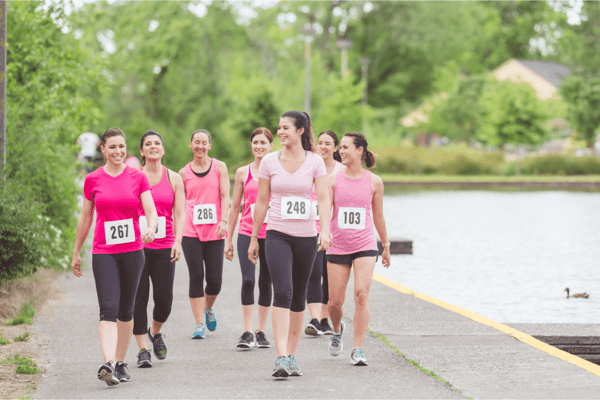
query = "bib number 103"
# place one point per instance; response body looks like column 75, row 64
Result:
column 295, row 208
column 351, row 218
column 205, row 214
column 119, row 232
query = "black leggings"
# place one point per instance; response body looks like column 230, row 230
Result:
column 211, row 253
column 290, row 260
column 161, row 270
column 265, row 294
column 117, row 277
column 318, row 292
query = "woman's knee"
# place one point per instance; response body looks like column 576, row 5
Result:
column 361, row 298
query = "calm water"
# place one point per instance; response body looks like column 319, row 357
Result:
column 505, row 255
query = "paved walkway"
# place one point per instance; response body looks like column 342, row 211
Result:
column 479, row 361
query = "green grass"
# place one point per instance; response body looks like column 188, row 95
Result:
column 24, row 365
column 3, row 340
column 25, row 314
column 22, row 338
column 487, row 178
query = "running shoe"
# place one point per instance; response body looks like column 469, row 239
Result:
column 336, row 345
column 160, row 349
column 313, row 328
column 293, row 366
column 281, row 367
column 106, row 373
column 325, row 328
column 246, row 340
column 211, row 320
column 358, row 357
column 144, row 359
column 261, row 340
column 121, row 372
column 199, row 332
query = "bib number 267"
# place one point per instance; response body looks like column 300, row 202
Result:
column 119, row 232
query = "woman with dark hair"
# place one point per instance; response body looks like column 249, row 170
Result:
column 246, row 186
column 354, row 192
column 115, row 191
column 161, row 255
column 206, row 208
column 287, row 177
column 317, row 295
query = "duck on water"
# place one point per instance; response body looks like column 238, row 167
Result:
column 583, row 295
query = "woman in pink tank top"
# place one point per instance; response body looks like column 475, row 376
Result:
column 317, row 294
column 160, row 255
column 115, row 192
column 206, row 185
column 355, row 193
column 246, row 187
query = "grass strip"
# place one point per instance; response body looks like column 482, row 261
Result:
column 488, row 178
column 24, row 365
column 26, row 314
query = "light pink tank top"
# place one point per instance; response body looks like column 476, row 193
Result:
column 313, row 197
column 202, row 203
column 352, row 224
column 250, row 195
column 164, row 200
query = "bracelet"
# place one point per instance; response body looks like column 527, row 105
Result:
column 223, row 220
column 253, row 237
column 154, row 226
column 388, row 244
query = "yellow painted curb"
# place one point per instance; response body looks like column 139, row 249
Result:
column 523, row 337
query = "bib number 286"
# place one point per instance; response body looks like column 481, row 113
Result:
column 351, row 218
column 205, row 214
column 119, row 232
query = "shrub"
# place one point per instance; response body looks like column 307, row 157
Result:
column 22, row 338
column 24, row 365
column 25, row 315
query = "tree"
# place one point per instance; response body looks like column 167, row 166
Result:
column 583, row 99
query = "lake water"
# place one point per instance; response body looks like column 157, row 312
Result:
column 505, row 255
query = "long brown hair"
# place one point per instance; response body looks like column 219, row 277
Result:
column 302, row 120
column 360, row 140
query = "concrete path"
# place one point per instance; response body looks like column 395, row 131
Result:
column 477, row 360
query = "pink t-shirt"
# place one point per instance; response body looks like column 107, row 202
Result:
column 250, row 195
column 290, row 194
column 116, row 200
column 313, row 197
column 352, row 224
column 203, row 203
column 164, row 200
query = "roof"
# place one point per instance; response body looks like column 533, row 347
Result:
column 550, row 71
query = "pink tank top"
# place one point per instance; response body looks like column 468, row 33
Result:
column 202, row 203
column 164, row 200
column 250, row 195
column 352, row 224
column 313, row 197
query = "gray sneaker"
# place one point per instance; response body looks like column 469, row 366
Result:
column 336, row 345
column 358, row 357
column 106, row 373
column 293, row 366
column 281, row 368
column 121, row 372
column 261, row 340
column 144, row 359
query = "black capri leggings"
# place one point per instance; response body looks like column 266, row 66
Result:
column 265, row 294
column 117, row 277
column 318, row 292
column 161, row 270
column 290, row 260
column 200, row 256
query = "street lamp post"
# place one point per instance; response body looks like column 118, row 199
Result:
column 365, row 69
column 343, row 44
column 309, row 31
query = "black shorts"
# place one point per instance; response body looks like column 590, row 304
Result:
column 348, row 259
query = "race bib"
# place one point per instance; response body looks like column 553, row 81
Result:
column 295, row 208
column 266, row 216
column 119, row 232
column 205, row 214
column 351, row 218
column 162, row 227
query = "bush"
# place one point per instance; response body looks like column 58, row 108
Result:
column 561, row 164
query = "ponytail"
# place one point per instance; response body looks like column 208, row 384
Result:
column 359, row 140
column 301, row 119
column 331, row 133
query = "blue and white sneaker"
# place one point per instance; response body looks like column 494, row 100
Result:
column 199, row 332
column 281, row 368
column 211, row 320
column 358, row 357
column 293, row 367
column 336, row 345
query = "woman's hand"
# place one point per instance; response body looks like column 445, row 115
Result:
column 176, row 252
column 76, row 265
column 148, row 235
column 228, row 250
column 325, row 240
column 221, row 229
column 385, row 257
column 253, row 250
